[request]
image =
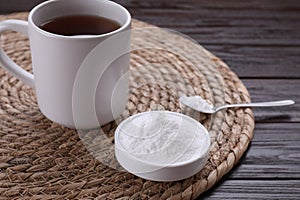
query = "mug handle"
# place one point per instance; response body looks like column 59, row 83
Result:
column 21, row 27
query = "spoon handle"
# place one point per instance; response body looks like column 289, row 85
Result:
column 261, row 104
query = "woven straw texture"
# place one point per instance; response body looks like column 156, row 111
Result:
column 42, row 160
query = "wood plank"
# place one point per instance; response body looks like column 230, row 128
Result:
column 253, row 40
column 212, row 4
column 251, row 36
column 271, row 90
column 8, row 6
column 270, row 62
column 254, row 189
column 213, row 13
column 210, row 26
column 273, row 153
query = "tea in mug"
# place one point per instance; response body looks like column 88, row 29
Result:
column 80, row 25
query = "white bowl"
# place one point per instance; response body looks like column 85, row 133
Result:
column 175, row 151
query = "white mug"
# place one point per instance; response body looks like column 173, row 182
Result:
column 80, row 81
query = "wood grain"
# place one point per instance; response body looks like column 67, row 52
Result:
column 254, row 36
column 255, row 189
column 274, row 153
column 275, row 89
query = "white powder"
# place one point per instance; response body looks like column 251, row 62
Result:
column 163, row 137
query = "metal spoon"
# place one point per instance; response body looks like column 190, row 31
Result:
column 201, row 105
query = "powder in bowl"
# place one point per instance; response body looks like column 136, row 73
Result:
column 151, row 141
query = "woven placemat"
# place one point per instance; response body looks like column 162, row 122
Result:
column 42, row 160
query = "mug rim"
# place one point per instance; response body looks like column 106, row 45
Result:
column 50, row 34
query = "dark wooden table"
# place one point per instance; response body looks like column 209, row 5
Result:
column 260, row 41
